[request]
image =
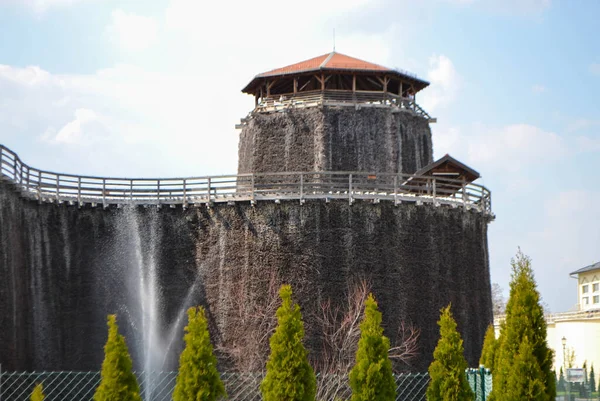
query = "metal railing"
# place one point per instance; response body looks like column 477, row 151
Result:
column 278, row 102
column 46, row 186
column 80, row 386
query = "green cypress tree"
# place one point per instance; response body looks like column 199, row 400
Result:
column 592, row 379
column 38, row 393
column 488, row 352
column 447, row 371
column 561, row 381
column 289, row 375
column 371, row 378
column 524, row 319
column 118, row 381
column 526, row 381
column 198, row 378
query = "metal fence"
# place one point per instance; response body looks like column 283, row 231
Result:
column 480, row 381
column 80, row 386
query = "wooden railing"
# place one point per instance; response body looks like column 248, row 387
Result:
column 46, row 186
column 341, row 98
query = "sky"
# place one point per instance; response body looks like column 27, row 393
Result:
column 152, row 88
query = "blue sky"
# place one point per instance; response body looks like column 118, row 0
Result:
column 152, row 88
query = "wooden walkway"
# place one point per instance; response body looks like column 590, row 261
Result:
column 46, row 186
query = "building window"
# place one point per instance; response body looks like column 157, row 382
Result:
column 584, row 289
column 597, row 299
column 595, row 287
column 586, row 300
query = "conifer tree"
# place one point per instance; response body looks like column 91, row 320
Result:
column 198, row 378
column 371, row 378
column 488, row 352
column 592, row 379
column 289, row 375
column 38, row 393
column 561, row 381
column 447, row 371
column 524, row 320
column 117, row 379
column 526, row 380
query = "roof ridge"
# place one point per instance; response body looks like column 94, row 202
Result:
column 324, row 63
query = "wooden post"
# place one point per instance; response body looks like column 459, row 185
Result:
column 158, row 191
column 252, row 184
column 295, row 85
column 434, row 190
column 39, row 186
column 28, row 172
column 464, row 193
column 395, row 190
column 400, row 89
column 268, row 89
column 58, row 188
column 104, row 192
column 131, row 190
column 79, row 190
column 350, row 188
column 322, row 82
column 208, row 189
column 184, row 193
column 353, row 82
column 301, row 187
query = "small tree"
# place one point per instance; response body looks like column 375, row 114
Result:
column 526, row 382
column 447, row 371
column 488, row 352
column 38, row 393
column 561, row 381
column 289, row 375
column 371, row 377
column 198, row 378
column 592, row 379
column 117, row 379
column 524, row 319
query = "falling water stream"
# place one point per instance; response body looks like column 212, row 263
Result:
column 153, row 347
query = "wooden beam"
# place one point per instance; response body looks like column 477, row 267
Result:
column 400, row 89
column 386, row 81
column 323, row 82
column 295, row 85
column 353, row 82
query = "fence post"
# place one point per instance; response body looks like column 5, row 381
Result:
column 184, row 193
column 482, row 376
column 252, row 184
column 208, row 189
column 58, row 188
column 434, row 190
column 395, row 190
column 79, row 190
column 158, row 191
column 131, row 191
column 39, row 186
column 301, row 187
column 104, row 192
column 350, row 188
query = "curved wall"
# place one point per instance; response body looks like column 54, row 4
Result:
column 62, row 269
column 367, row 139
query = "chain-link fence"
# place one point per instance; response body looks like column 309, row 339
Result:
column 80, row 386
column 480, row 381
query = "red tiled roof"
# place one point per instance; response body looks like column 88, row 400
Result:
column 330, row 61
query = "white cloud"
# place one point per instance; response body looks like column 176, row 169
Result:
column 508, row 148
column 595, row 68
column 521, row 7
column 445, row 83
column 72, row 131
column 132, row 32
column 539, row 89
column 40, row 6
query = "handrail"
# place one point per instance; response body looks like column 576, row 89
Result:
column 339, row 98
column 47, row 186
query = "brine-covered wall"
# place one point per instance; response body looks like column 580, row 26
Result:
column 367, row 139
column 63, row 268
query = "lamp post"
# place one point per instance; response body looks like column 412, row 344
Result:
column 564, row 345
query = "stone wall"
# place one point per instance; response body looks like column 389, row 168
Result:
column 62, row 269
column 382, row 140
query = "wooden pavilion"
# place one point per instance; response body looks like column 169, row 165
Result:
column 338, row 80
